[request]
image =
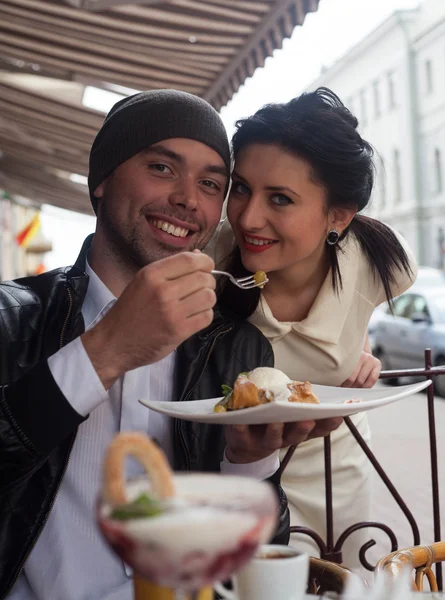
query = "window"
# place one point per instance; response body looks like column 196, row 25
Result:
column 402, row 307
column 438, row 182
column 376, row 93
column 397, row 177
column 419, row 306
column 382, row 182
column 391, row 91
column 429, row 76
column 363, row 111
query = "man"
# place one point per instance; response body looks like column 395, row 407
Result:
column 135, row 317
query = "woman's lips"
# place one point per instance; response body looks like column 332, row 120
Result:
column 255, row 243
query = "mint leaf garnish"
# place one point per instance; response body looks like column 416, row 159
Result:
column 226, row 390
column 144, row 506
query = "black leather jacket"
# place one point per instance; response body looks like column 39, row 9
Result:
column 39, row 315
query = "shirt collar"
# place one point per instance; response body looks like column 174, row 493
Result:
column 98, row 300
column 328, row 314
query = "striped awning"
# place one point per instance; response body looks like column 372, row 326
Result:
column 51, row 49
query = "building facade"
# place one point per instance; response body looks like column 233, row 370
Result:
column 393, row 82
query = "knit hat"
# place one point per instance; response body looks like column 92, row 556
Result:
column 144, row 119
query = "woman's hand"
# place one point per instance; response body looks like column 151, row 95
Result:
column 249, row 443
column 366, row 373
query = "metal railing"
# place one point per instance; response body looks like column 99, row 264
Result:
column 331, row 549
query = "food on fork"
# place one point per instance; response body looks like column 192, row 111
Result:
column 261, row 386
column 260, row 278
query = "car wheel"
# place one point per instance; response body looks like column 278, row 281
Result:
column 439, row 381
column 386, row 366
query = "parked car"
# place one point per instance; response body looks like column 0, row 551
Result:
column 417, row 322
column 426, row 277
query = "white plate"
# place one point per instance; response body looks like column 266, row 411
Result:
column 331, row 405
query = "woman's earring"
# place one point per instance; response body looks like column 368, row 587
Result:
column 333, row 237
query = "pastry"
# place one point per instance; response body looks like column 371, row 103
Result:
column 261, row 386
column 152, row 458
column 260, row 278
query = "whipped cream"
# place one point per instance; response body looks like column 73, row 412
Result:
column 193, row 529
column 272, row 380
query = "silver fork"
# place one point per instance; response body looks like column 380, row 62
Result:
column 245, row 283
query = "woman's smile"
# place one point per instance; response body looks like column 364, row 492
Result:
column 257, row 243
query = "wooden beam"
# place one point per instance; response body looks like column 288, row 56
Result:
column 221, row 10
column 45, row 195
column 31, row 130
column 29, row 170
column 32, row 174
column 111, row 20
column 28, row 118
column 54, row 122
column 89, row 58
column 13, row 133
column 261, row 7
column 194, row 23
column 92, row 48
column 110, row 36
column 103, row 4
column 60, row 115
column 129, row 80
column 25, row 68
column 57, row 160
column 43, row 103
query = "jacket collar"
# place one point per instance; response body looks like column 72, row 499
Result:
column 80, row 264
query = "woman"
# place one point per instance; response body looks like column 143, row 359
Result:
column 302, row 174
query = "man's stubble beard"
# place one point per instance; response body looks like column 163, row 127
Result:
column 129, row 249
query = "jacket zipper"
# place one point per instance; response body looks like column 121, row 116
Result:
column 45, row 518
column 189, row 393
column 68, row 314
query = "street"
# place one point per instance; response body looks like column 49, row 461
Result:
column 400, row 441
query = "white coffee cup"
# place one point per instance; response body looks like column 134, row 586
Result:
column 278, row 572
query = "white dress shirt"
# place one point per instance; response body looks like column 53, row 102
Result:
column 70, row 560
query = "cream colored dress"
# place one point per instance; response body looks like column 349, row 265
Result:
column 325, row 348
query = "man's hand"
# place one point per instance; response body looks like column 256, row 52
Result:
column 366, row 373
column 249, row 443
column 165, row 303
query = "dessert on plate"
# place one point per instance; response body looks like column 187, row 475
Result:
column 262, row 386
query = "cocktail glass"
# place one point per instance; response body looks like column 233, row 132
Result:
column 207, row 532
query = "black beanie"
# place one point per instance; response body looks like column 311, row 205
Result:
column 139, row 121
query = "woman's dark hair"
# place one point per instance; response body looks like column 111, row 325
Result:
column 317, row 127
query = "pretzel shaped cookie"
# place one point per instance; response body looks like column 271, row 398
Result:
column 149, row 455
